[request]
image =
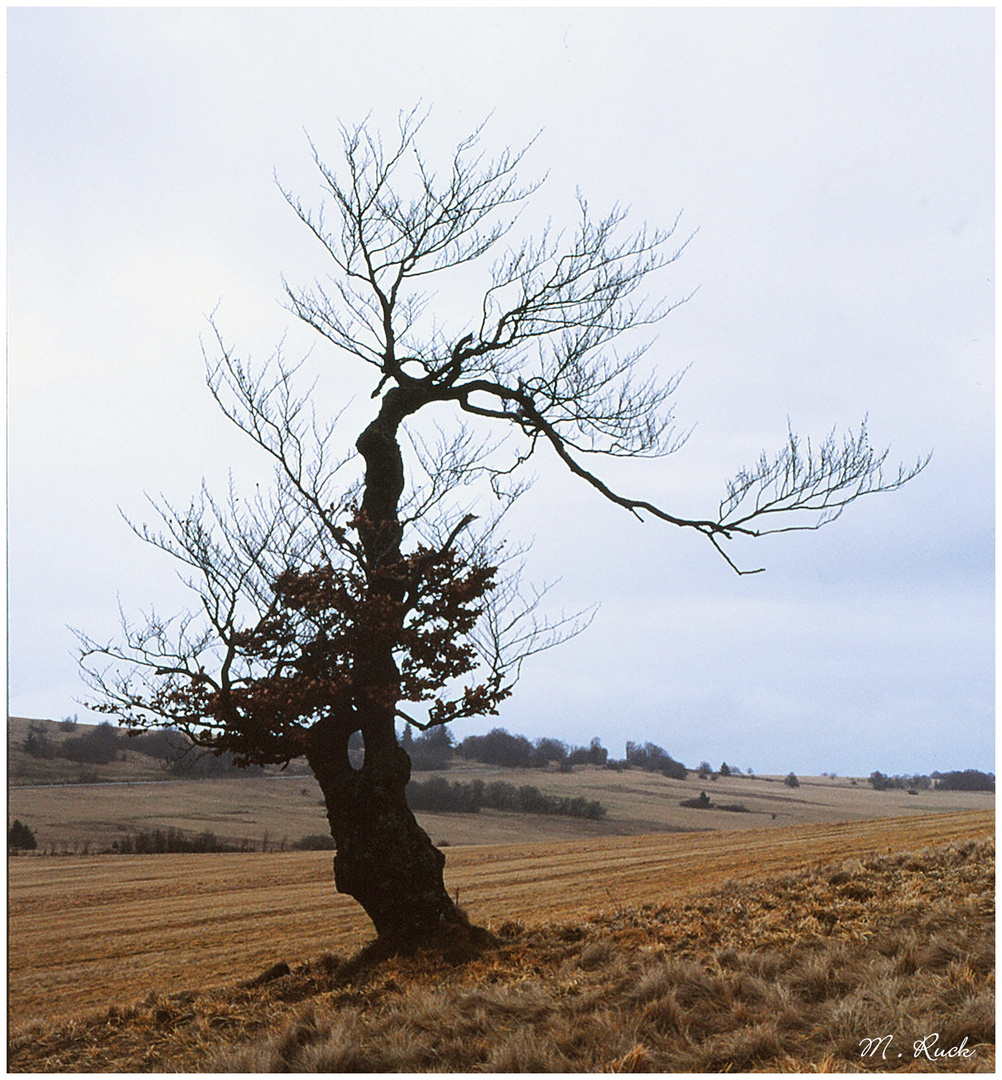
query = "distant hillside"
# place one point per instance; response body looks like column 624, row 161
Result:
column 24, row 768
column 68, row 752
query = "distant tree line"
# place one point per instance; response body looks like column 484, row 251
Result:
column 653, row 758
column 963, row 780
column 106, row 743
column 434, row 751
column 443, row 795
column 500, row 748
column 431, row 750
column 172, row 841
column 504, row 750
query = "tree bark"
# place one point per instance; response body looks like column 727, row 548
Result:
column 384, row 859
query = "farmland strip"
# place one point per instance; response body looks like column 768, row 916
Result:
column 86, row 933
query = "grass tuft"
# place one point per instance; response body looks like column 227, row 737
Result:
column 783, row 974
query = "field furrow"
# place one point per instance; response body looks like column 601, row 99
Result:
column 88, row 932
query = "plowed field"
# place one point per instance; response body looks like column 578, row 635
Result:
column 85, row 933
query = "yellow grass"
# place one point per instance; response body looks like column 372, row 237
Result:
column 88, row 931
column 791, row 971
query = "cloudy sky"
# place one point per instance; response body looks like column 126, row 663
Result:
column 838, row 165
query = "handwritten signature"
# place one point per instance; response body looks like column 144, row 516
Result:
column 921, row 1048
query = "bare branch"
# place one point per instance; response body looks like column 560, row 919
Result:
column 329, row 605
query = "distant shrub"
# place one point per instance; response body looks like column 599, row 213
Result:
column 653, row 758
column 595, row 754
column 880, row 782
column 431, row 750
column 547, row 750
column 445, row 796
column 791, row 780
column 199, row 764
column 37, row 743
column 314, row 842
column 165, row 744
column 498, row 747
column 725, row 769
column 674, row 770
column 441, row 795
column 98, row 747
column 20, row 837
column 702, row 802
column 500, row 795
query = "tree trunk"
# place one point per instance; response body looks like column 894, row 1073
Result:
column 384, row 859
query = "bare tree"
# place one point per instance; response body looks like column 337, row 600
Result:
column 334, row 605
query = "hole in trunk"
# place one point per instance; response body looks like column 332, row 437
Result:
column 356, row 750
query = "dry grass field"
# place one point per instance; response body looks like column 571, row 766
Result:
column 659, row 938
column 88, row 930
column 774, row 950
column 276, row 810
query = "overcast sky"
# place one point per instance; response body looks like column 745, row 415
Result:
column 838, row 165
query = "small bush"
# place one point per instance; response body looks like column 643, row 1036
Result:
column 37, row 743
column 791, row 780
column 20, row 837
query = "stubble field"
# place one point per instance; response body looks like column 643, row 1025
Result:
column 779, row 934
column 86, row 932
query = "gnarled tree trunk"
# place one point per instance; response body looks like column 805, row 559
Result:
column 384, row 859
